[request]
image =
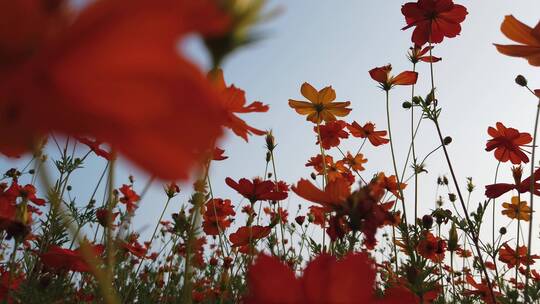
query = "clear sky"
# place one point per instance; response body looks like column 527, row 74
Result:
column 336, row 43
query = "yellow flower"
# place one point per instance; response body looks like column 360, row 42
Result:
column 517, row 209
column 321, row 106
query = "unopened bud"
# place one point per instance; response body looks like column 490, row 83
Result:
column 521, row 80
column 447, row 140
column 427, row 221
column 406, row 105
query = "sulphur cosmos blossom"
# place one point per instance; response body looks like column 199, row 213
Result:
column 320, row 106
column 517, row 209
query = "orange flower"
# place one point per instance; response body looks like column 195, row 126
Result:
column 334, row 170
column 517, row 209
column 234, row 101
column 320, row 106
column 387, row 81
column 376, row 138
column 417, row 53
column 390, row 183
column 524, row 34
column 335, row 193
column 355, row 162
column 114, row 74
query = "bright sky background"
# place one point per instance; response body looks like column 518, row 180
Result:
column 336, row 43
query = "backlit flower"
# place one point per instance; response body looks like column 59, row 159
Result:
column 417, row 53
column 529, row 39
column 246, row 235
column 432, row 247
column 517, row 209
column 376, row 138
column 321, row 105
column 129, row 198
column 62, row 259
column 331, row 133
column 507, row 144
column 433, row 20
column 216, row 217
column 496, row 190
column 257, row 189
column 387, row 81
column 234, row 101
column 355, row 162
column 512, row 258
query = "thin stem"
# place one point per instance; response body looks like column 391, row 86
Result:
column 531, row 190
column 402, row 197
column 414, row 154
column 462, row 201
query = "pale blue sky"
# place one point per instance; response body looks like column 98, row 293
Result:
column 336, row 43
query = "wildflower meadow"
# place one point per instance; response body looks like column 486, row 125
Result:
column 113, row 136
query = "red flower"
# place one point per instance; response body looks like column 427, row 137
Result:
column 234, row 101
column 376, row 138
column 135, row 248
column 130, row 198
column 246, row 235
column 218, row 154
column 507, row 144
column 325, row 280
column 432, row 247
column 257, row 190
column 481, row 290
column 62, row 259
column 512, row 258
column 94, row 145
column 496, row 190
column 387, row 81
column 316, row 215
column 433, row 20
column 279, row 215
column 113, row 72
column 103, row 217
column 9, row 283
column 417, row 53
column 216, row 216
column 331, row 132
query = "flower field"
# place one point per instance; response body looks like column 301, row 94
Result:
column 84, row 88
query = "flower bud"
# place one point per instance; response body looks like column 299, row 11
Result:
column 521, row 80
column 447, row 140
column 300, row 219
column 502, row 230
column 406, row 105
column 427, row 221
column 453, row 238
column 270, row 141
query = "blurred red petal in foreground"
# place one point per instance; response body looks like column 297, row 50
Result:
column 115, row 74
